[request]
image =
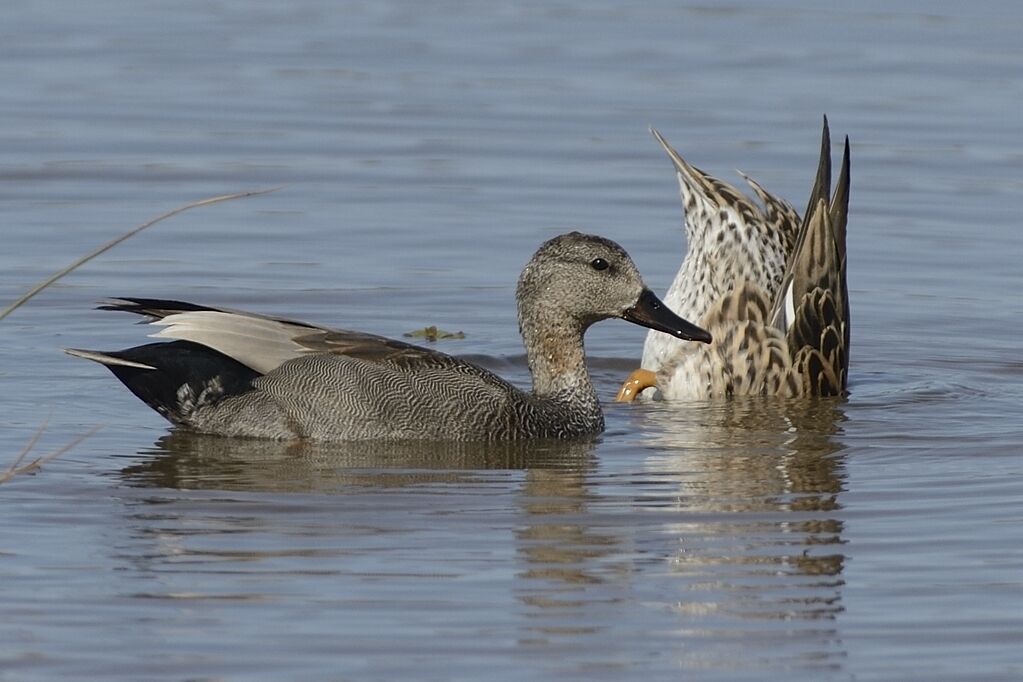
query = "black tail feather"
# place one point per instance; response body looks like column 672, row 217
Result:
column 156, row 308
column 185, row 376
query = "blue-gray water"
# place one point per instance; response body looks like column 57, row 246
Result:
column 426, row 151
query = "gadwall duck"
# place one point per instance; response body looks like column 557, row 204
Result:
column 239, row 374
column 769, row 287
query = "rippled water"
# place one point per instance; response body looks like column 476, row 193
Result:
column 425, row 153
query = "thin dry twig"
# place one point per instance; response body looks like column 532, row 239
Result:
column 111, row 244
column 28, row 447
column 15, row 469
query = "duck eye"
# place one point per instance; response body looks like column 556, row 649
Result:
column 599, row 264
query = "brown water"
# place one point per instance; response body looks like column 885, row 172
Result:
column 426, row 153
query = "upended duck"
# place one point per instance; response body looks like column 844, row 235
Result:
column 241, row 374
column 769, row 287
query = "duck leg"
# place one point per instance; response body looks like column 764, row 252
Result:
column 638, row 381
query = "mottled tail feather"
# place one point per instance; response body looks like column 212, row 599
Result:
column 175, row 378
column 700, row 182
column 839, row 220
column 713, row 195
column 727, row 228
column 779, row 215
column 812, row 308
column 821, row 188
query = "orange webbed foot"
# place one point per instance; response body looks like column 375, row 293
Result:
column 637, row 382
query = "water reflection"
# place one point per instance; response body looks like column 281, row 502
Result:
column 749, row 455
column 757, row 488
column 562, row 551
column 731, row 517
column 193, row 461
column 701, row 525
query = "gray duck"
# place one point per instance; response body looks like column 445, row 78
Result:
column 234, row 373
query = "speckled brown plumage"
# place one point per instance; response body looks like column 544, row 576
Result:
column 770, row 288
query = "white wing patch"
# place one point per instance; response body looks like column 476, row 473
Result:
column 790, row 306
column 259, row 343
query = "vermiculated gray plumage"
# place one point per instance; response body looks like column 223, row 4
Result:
column 240, row 374
column 769, row 287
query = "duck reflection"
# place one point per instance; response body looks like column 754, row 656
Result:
column 718, row 517
column 186, row 460
column 562, row 550
column 696, row 522
column 748, row 454
column 757, row 491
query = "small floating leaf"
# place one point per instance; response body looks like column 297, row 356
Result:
column 431, row 334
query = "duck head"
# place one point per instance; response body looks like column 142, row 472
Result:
column 580, row 279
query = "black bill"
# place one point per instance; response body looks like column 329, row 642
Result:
column 650, row 311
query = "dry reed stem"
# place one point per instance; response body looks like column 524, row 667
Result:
column 36, row 463
column 111, row 244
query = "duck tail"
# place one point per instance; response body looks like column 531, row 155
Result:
column 779, row 216
column 174, row 378
column 812, row 306
column 704, row 196
column 839, row 214
column 690, row 177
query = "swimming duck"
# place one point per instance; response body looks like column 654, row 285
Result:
column 769, row 287
column 233, row 373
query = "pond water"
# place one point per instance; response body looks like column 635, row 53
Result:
column 424, row 153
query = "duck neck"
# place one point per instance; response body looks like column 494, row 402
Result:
column 557, row 362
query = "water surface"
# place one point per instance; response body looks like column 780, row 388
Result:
column 425, row 154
